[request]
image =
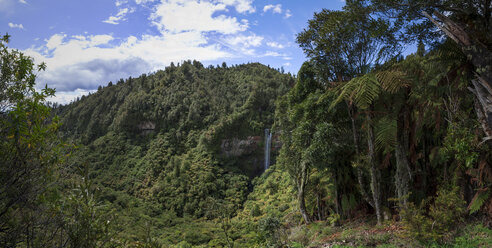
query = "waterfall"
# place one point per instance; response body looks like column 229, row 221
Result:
column 268, row 142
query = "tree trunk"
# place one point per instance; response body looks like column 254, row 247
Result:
column 338, row 208
column 302, row 182
column 402, row 179
column 375, row 173
column 481, row 58
column 360, row 173
column 403, row 173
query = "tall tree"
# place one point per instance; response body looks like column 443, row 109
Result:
column 346, row 44
column 469, row 24
column 29, row 148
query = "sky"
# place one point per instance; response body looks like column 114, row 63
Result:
column 87, row 43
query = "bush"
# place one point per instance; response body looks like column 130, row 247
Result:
column 437, row 224
column 255, row 211
column 269, row 229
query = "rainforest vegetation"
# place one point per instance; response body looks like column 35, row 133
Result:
column 369, row 147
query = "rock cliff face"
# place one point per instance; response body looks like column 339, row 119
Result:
column 249, row 152
column 146, row 127
column 239, row 147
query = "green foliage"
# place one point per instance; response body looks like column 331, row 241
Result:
column 157, row 144
column 87, row 222
column 474, row 236
column 441, row 219
column 385, row 130
column 269, row 229
column 460, row 143
column 30, row 153
column 344, row 44
column 157, row 151
column 477, row 202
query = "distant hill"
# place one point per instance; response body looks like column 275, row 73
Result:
column 176, row 137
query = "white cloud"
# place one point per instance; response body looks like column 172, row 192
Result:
column 13, row 25
column 244, row 44
column 246, row 41
column 277, row 9
column 276, row 54
column 55, row 41
column 287, row 64
column 84, row 62
column 143, row 1
column 275, row 45
column 184, row 15
column 118, row 3
column 120, row 16
column 272, row 54
column 288, row 14
column 241, row 6
column 65, row 97
column 204, row 30
column 23, row 1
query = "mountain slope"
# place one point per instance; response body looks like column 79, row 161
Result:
column 160, row 144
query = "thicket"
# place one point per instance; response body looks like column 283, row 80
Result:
column 364, row 132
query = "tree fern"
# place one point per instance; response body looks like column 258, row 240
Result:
column 385, row 130
column 361, row 90
column 392, row 80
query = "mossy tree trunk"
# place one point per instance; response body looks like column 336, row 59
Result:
column 403, row 174
column 301, row 191
column 374, row 171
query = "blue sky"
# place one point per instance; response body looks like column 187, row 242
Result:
column 87, row 43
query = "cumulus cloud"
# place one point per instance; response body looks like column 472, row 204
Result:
column 120, row 16
column 273, row 54
column 143, row 1
column 277, row 9
column 284, row 56
column 65, row 97
column 204, row 30
column 241, row 6
column 244, row 44
column 13, row 25
column 287, row 14
column 183, row 15
column 84, row 62
column 55, row 41
column 274, row 8
column 276, row 45
column 246, row 41
column 118, row 3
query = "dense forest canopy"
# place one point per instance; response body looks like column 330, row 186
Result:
column 398, row 145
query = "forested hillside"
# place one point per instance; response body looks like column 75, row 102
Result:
column 166, row 139
column 370, row 148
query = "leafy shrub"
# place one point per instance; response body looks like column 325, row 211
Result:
column 255, row 211
column 283, row 207
column 300, row 235
column 444, row 213
column 183, row 244
column 269, row 230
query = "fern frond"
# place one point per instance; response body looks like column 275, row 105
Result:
column 392, row 80
column 478, row 200
column 385, row 130
column 368, row 90
column 345, row 92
